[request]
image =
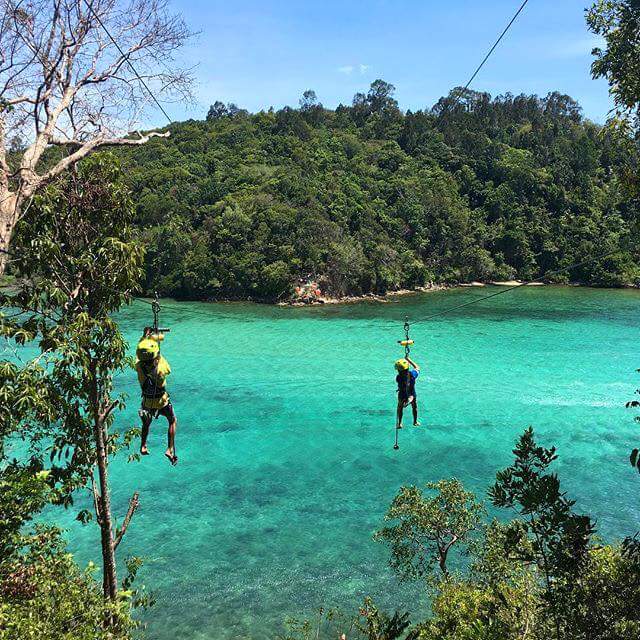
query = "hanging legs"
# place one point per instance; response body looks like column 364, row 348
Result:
column 147, row 416
column 414, row 410
column 170, row 415
column 171, row 438
column 146, row 424
column 405, row 402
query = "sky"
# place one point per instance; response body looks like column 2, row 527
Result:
column 267, row 53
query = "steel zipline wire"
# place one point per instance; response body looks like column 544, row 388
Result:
column 490, row 52
column 520, row 284
column 457, row 98
column 127, row 60
column 162, row 109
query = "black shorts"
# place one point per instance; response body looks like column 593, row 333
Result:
column 404, row 398
column 152, row 414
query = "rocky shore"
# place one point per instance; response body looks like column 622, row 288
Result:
column 399, row 292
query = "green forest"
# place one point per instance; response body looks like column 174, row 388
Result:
column 368, row 199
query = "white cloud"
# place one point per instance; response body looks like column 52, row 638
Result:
column 348, row 69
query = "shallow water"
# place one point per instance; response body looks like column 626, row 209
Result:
column 286, row 431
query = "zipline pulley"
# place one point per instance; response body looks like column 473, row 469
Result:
column 407, row 342
column 155, row 308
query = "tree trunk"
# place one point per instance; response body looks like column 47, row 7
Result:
column 110, row 581
column 443, row 552
column 442, row 561
column 8, row 217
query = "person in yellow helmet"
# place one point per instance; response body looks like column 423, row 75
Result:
column 408, row 371
column 152, row 370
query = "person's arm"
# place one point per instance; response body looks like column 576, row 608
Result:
column 140, row 372
column 163, row 367
column 413, row 364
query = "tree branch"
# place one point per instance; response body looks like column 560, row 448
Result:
column 96, row 498
column 110, row 407
column 112, row 142
column 83, row 150
column 133, row 505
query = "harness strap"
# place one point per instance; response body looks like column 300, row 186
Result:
column 150, row 388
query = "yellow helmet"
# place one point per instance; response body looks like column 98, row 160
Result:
column 147, row 350
column 401, row 365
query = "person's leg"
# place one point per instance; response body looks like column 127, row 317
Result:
column 146, row 423
column 171, row 439
column 399, row 413
column 414, row 408
column 171, row 433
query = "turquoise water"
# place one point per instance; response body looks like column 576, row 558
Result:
column 286, row 430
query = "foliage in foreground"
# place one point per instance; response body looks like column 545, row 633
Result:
column 77, row 260
column 543, row 575
column 43, row 593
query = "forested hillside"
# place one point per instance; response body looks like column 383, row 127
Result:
column 368, row 198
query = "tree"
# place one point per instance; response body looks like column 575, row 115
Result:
column 380, row 96
column 43, row 593
column 65, row 82
column 217, row 110
column 618, row 22
column 560, row 538
column 309, row 100
column 311, row 108
column 531, row 578
column 427, row 529
column 78, row 260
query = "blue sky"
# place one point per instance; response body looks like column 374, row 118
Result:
column 266, row 53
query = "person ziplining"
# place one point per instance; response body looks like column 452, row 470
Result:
column 408, row 372
column 152, row 369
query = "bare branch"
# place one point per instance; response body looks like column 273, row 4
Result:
column 114, row 142
column 96, row 498
column 133, row 505
column 63, row 80
column 83, row 150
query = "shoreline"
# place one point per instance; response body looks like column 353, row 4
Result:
column 386, row 297
column 374, row 297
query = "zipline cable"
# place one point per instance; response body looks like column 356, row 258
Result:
column 157, row 102
column 493, row 48
column 456, row 99
column 520, row 284
column 501, row 292
column 126, row 58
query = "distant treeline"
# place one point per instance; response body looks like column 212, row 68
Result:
column 368, row 198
